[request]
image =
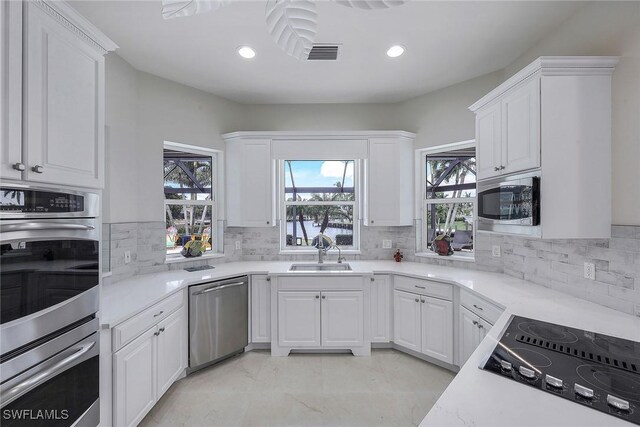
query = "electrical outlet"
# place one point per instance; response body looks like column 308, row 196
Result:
column 589, row 271
column 495, row 251
column 238, row 245
column 127, row 257
column 386, row 244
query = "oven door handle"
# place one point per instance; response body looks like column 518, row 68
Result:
column 33, row 381
column 29, row 226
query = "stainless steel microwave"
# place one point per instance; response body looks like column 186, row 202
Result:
column 510, row 204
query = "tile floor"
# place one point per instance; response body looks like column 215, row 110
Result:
column 387, row 389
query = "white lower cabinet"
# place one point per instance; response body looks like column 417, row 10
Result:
column 423, row 324
column 341, row 318
column 381, row 309
column 299, row 319
column 146, row 367
column 260, row 309
column 473, row 329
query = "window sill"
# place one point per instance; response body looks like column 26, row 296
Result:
column 315, row 252
column 178, row 259
column 453, row 257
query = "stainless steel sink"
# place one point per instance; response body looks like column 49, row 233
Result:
column 320, row 267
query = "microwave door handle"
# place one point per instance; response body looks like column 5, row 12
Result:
column 30, row 226
column 30, row 383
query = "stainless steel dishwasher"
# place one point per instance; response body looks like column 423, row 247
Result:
column 218, row 321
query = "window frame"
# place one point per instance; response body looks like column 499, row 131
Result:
column 283, row 204
column 216, row 203
column 422, row 202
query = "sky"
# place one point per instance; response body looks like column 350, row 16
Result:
column 316, row 173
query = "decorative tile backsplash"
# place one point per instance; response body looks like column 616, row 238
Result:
column 558, row 264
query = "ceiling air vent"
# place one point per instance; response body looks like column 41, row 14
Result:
column 324, row 52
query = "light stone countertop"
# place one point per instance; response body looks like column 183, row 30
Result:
column 475, row 397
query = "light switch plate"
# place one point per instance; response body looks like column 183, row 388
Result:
column 495, row 251
column 238, row 245
column 386, row 244
column 589, row 271
column 127, row 257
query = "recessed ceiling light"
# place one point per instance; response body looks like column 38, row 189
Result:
column 246, row 52
column 395, row 51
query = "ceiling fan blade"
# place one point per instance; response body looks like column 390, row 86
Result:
column 180, row 8
column 293, row 25
column 371, row 4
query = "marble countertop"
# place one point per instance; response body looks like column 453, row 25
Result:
column 475, row 397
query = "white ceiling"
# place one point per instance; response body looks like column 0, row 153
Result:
column 447, row 42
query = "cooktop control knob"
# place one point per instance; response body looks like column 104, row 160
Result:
column 505, row 365
column 553, row 381
column 526, row 372
column 583, row 391
column 618, row 403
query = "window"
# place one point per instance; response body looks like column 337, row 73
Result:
column 318, row 196
column 449, row 198
column 190, row 203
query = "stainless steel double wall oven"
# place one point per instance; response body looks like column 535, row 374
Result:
column 49, row 297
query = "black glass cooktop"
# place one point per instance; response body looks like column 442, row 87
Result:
column 591, row 369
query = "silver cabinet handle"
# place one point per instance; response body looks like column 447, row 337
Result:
column 44, row 226
column 422, row 301
column 44, row 375
column 502, row 168
column 161, row 329
column 480, row 326
column 324, row 297
column 156, row 333
column 158, row 314
column 317, row 296
column 19, row 166
column 420, row 287
column 479, row 308
column 496, row 169
column 475, row 322
column 217, row 288
column 37, row 169
column 417, row 300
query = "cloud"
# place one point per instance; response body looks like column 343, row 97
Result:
column 335, row 169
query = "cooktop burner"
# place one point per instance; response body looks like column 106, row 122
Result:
column 591, row 369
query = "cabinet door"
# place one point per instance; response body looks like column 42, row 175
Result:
column 299, row 319
column 134, row 380
column 521, row 127
column 342, row 317
column 380, row 309
column 64, row 111
column 468, row 336
column 488, row 141
column 437, row 328
column 10, row 89
column 406, row 320
column 172, row 350
column 260, row 309
column 390, row 179
column 249, row 189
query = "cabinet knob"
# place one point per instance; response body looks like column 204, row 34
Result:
column 371, row 221
column 373, row 279
column 502, row 168
column 161, row 329
column 37, row 169
column 267, row 222
column 324, row 297
column 268, row 279
column 156, row 333
column 475, row 322
column 417, row 300
column 19, row 166
column 480, row 326
column 422, row 301
column 496, row 169
column 317, row 296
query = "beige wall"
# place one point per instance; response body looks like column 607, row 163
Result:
column 608, row 28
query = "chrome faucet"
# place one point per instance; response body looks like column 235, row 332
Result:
column 320, row 241
column 340, row 259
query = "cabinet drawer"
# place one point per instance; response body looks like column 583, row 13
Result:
column 320, row 283
column 480, row 306
column 424, row 287
column 129, row 329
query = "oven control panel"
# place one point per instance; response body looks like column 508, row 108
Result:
column 20, row 200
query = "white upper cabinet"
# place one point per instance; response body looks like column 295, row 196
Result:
column 554, row 117
column 10, row 89
column 249, row 182
column 389, row 176
column 508, row 131
column 63, row 97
